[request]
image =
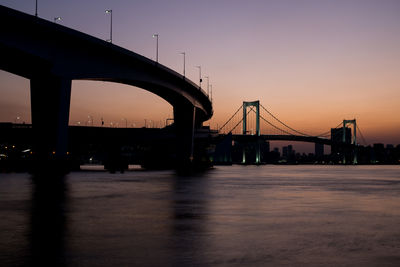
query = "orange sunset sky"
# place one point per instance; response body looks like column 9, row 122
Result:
column 312, row 63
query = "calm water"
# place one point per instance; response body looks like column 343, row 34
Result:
column 228, row 216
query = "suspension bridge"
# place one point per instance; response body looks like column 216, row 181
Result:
column 252, row 123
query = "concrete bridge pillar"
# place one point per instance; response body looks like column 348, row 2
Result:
column 185, row 123
column 50, row 103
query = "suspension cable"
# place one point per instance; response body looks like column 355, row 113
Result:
column 231, row 118
column 241, row 120
column 362, row 137
column 283, row 122
column 326, row 134
column 276, row 127
column 235, row 126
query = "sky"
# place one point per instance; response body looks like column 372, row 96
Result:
column 312, row 63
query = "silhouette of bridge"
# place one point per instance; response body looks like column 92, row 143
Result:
column 51, row 56
column 264, row 125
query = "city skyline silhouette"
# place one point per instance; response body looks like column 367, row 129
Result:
column 312, row 63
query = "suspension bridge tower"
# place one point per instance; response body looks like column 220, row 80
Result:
column 353, row 139
column 255, row 104
column 251, row 104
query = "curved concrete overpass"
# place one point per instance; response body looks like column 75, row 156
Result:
column 32, row 47
column 51, row 56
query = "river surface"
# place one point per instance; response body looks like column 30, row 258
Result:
column 227, row 216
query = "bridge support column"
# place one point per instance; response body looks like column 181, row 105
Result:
column 184, row 120
column 353, row 140
column 50, row 103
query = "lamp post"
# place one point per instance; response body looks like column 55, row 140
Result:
column 109, row 11
column 211, row 93
column 208, row 84
column 156, row 36
column 36, row 9
column 184, row 63
column 199, row 76
column 57, row 19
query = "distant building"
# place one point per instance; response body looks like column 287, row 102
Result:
column 379, row 155
column 288, row 153
column 290, row 150
column 319, row 150
column 285, row 152
column 223, row 151
column 338, row 153
column 264, row 149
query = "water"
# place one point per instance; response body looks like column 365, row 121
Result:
column 235, row 216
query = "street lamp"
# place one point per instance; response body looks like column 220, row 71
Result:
column 109, row 11
column 57, row 19
column 156, row 36
column 200, row 80
column 208, row 84
column 36, row 9
column 184, row 62
column 211, row 92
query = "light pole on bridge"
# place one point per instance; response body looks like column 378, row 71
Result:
column 156, row 36
column 109, row 11
column 184, row 63
column 199, row 67
column 208, row 84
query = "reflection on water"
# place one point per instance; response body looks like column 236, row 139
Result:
column 240, row 215
column 48, row 223
column 190, row 209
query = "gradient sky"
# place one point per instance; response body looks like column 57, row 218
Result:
column 312, row 63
